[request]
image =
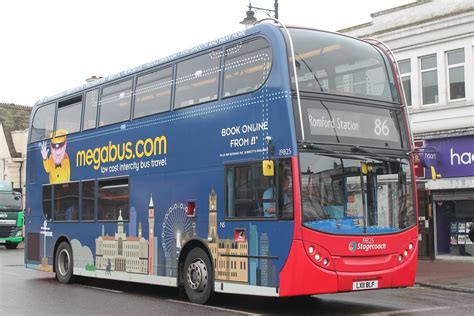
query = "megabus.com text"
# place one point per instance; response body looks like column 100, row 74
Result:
column 118, row 152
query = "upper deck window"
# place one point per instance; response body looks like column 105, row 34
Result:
column 115, row 103
column 69, row 115
column 247, row 66
column 90, row 109
column 336, row 64
column 153, row 92
column 43, row 122
column 197, row 79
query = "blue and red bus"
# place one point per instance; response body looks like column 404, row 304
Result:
column 274, row 161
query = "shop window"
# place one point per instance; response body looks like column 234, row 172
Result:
column 454, row 219
column 456, row 74
column 113, row 199
column 429, row 79
column 153, row 92
column 247, row 66
column 69, row 115
column 251, row 194
column 197, row 80
column 405, row 74
column 115, row 103
column 90, row 109
column 43, row 122
column 88, row 200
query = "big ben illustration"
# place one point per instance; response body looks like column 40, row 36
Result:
column 229, row 256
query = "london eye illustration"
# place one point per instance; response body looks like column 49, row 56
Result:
column 176, row 225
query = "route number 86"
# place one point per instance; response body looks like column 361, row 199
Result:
column 381, row 127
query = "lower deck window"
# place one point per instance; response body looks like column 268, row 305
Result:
column 113, row 200
column 66, row 202
column 251, row 194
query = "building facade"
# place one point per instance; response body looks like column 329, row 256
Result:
column 433, row 42
column 14, row 121
column 122, row 253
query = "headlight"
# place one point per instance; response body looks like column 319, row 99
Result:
column 19, row 233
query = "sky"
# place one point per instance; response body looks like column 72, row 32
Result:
column 49, row 46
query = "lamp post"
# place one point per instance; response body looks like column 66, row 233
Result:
column 250, row 18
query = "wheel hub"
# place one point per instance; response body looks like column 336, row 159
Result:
column 63, row 260
column 196, row 275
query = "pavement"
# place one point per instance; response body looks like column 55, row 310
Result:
column 446, row 274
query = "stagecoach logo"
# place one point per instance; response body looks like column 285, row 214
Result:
column 3, row 215
column 367, row 244
column 352, row 246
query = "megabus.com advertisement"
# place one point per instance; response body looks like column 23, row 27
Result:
column 65, row 158
column 113, row 157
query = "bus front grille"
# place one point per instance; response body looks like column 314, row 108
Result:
column 6, row 231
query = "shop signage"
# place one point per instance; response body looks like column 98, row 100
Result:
column 454, row 156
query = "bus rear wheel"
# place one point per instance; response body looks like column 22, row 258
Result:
column 63, row 263
column 198, row 276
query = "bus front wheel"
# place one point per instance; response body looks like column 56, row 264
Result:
column 198, row 276
column 64, row 263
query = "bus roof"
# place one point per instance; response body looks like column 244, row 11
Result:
column 183, row 53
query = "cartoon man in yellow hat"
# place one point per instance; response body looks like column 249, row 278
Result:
column 57, row 165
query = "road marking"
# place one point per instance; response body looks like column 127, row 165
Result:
column 419, row 310
column 102, row 289
column 213, row 307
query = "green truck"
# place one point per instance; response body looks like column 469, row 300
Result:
column 11, row 216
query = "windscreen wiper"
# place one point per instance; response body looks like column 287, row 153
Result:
column 374, row 154
column 327, row 150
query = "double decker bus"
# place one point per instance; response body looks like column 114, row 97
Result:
column 274, row 161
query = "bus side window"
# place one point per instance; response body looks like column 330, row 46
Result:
column 47, row 209
column 69, row 115
column 113, row 199
column 197, row 80
column 88, row 200
column 115, row 103
column 90, row 110
column 246, row 186
column 153, row 92
column 66, row 201
column 247, row 66
column 43, row 122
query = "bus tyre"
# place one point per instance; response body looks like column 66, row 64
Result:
column 11, row 246
column 63, row 263
column 198, row 276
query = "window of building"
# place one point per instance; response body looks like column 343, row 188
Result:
column 251, row 194
column 113, row 199
column 246, row 66
column 153, row 92
column 43, row 122
column 429, row 79
column 66, row 201
column 88, row 200
column 115, row 103
column 405, row 74
column 47, row 209
column 90, row 109
column 69, row 115
column 197, row 80
column 456, row 74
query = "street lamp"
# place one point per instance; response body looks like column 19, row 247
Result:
column 250, row 18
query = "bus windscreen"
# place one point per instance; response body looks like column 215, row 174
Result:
column 334, row 64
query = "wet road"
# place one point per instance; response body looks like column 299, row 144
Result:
column 30, row 292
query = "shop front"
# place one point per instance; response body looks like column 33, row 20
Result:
column 451, row 195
